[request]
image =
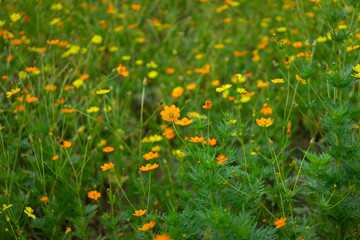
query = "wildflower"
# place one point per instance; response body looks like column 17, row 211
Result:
column 212, row 141
column 56, row 157
column 191, row 86
column 266, row 110
column 30, row 99
column 265, row 122
column 139, row 213
column 171, row 113
column 261, row 84
column 12, row 92
column 170, row 70
column 152, row 74
column 68, row 110
column 108, row 149
column 297, row 44
column 97, row 39
column 31, row 69
column 7, row 206
column 136, row 7
column 107, row 166
column 196, row 139
column 162, row 237
column 208, row 104
column 177, row 92
column 357, row 68
column 277, row 80
column 221, row 159
column 150, row 155
column 169, row 133
column 65, row 144
column 288, row 129
column 231, row 98
column 149, row 167
column 67, row 230
column 184, row 122
column 223, row 88
column 238, row 78
column 122, row 71
column 52, row 42
column 84, row 76
column 29, row 211
column 241, row 90
column 147, row 226
column 303, row 81
column 93, row 109
column 94, row 195
column 280, row 222
column 215, row 83
column 102, row 91
column 15, row 16
column 156, row 148
column 50, row 88
column 44, row 199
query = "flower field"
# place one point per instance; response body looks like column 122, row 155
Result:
column 180, row 119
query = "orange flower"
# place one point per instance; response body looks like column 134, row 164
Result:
column 263, row 122
column 139, row 213
column 136, row 7
column 108, row 149
column 147, row 226
column 150, row 155
column 191, row 86
column 94, row 195
column 266, row 109
column 56, row 157
column 171, row 113
column 170, row 70
column 30, row 99
column 280, row 222
column 169, row 133
column 231, row 98
column 44, row 199
column 107, row 166
column 297, row 44
column 52, row 42
column 162, row 237
column 261, row 84
column 31, row 69
column 208, row 104
column 196, row 139
column 84, row 76
column 288, row 130
column 184, row 122
column 221, row 158
column 122, row 71
column 65, row 144
column 149, row 167
column 68, row 110
column 177, row 92
column 212, row 141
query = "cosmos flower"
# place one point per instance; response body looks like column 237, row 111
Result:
column 171, row 113
column 280, row 222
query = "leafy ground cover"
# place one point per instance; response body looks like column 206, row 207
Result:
column 193, row 119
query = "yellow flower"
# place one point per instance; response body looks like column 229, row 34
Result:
column 102, row 91
column 12, row 92
column 56, row 6
column 6, row 206
column 55, row 21
column 126, row 58
column 152, row 74
column 241, row 90
column 152, row 64
column 357, row 68
column 263, row 122
column 15, row 16
column 107, row 109
column 277, row 80
column 97, row 39
column 223, row 88
column 238, row 78
column 29, row 211
column 78, row 83
column 93, row 109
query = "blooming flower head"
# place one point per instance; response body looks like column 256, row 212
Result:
column 149, row 167
column 221, row 159
column 44, row 199
column 15, row 16
column 147, row 226
column 280, row 222
column 29, row 211
column 122, row 71
column 31, row 69
column 150, row 155
column 94, row 195
column 212, row 141
column 162, row 237
column 139, row 213
column 107, row 166
column 102, row 91
column 56, row 157
column 223, row 87
column 169, row 133
column 177, row 92
column 266, row 109
column 171, row 113
column 97, row 39
column 184, row 122
column 208, row 104
column 65, row 144
column 277, row 80
column 196, row 139
column 108, row 149
column 263, row 122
